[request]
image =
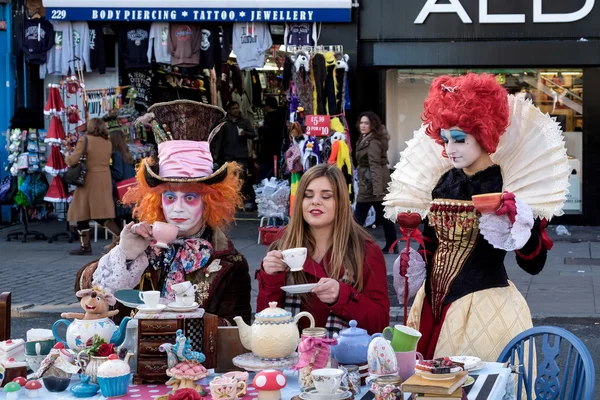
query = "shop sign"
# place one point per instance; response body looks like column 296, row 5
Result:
column 318, row 125
column 200, row 10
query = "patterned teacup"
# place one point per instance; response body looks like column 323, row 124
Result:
column 227, row 388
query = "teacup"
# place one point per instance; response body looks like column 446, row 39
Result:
column 487, row 203
column 242, row 376
column 327, row 380
column 184, row 287
column 406, row 363
column 181, row 300
column 39, row 342
column 295, row 258
column 150, row 298
column 403, row 338
column 164, row 233
column 227, row 388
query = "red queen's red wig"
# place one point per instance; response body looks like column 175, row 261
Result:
column 477, row 104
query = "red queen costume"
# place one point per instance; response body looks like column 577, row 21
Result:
column 465, row 303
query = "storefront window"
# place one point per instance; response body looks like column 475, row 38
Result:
column 558, row 92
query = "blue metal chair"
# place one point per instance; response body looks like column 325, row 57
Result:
column 575, row 382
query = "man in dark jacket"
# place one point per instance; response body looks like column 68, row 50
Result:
column 270, row 138
column 231, row 144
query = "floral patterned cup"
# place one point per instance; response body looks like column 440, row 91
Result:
column 224, row 388
column 327, row 380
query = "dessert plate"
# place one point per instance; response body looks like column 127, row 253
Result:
column 151, row 310
column 437, row 377
column 297, row 289
column 313, row 394
column 469, row 361
column 179, row 308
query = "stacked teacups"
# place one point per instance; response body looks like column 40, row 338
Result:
column 185, row 293
column 404, row 342
column 327, row 381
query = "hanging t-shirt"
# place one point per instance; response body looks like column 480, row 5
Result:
column 159, row 43
column 250, row 43
column 209, row 48
column 39, row 38
column 60, row 56
column 225, row 35
column 133, row 44
column 185, row 41
column 81, row 46
column 300, row 34
column 97, row 54
column 141, row 81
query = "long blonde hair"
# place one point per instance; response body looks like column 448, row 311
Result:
column 348, row 247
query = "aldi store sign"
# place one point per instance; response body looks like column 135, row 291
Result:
column 200, row 10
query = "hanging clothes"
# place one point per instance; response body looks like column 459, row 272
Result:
column 185, row 41
column 300, row 34
column 250, row 43
column 39, row 38
column 58, row 58
column 133, row 44
column 209, row 47
column 159, row 43
column 81, row 47
column 97, row 53
column 225, row 31
column 256, row 89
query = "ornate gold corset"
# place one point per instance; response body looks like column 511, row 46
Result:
column 456, row 224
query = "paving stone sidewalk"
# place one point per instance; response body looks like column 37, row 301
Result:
column 41, row 275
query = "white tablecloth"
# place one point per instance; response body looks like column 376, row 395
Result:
column 499, row 391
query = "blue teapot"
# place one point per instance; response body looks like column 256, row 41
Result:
column 353, row 345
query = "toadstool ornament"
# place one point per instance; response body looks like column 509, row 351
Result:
column 12, row 389
column 269, row 384
column 20, row 380
column 33, row 388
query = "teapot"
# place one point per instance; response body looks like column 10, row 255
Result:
column 80, row 330
column 353, row 345
column 274, row 334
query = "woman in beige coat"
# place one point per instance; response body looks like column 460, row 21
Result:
column 373, row 174
column 93, row 200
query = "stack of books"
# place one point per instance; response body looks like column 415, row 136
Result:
column 422, row 388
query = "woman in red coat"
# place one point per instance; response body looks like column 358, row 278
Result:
column 343, row 260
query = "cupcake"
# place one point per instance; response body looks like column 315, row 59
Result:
column 114, row 376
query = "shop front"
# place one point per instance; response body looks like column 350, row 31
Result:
column 548, row 54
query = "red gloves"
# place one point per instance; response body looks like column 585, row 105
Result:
column 508, row 207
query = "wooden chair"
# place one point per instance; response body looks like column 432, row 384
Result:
column 574, row 381
column 4, row 316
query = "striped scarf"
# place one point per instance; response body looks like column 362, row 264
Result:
column 334, row 323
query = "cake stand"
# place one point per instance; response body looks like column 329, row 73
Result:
column 253, row 363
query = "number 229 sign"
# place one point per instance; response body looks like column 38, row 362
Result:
column 317, row 125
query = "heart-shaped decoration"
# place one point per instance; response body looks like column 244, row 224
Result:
column 408, row 220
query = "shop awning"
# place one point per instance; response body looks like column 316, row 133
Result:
column 200, row 10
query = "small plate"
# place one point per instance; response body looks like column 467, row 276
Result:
column 151, row 310
column 468, row 361
column 479, row 366
column 173, row 306
column 470, row 380
column 297, row 289
column 312, row 394
column 437, row 377
column 129, row 297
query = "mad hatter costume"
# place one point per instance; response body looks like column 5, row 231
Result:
column 181, row 187
column 467, row 305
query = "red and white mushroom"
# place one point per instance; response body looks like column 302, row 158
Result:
column 20, row 380
column 32, row 389
column 269, row 384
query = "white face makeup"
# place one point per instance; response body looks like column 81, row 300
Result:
column 462, row 148
column 184, row 210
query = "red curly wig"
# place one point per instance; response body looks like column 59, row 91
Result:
column 477, row 104
column 221, row 200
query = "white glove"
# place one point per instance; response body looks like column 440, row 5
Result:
column 415, row 273
column 135, row 238
column 500, row 233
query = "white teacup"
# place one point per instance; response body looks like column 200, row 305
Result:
column 184, row 301
column 295, row 258
column 184, row 287
column 327, row 380
column 150, row 298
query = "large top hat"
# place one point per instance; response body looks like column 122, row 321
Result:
column 183, row 130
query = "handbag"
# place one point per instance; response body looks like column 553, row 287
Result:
column 124, row 185
column 76, row 175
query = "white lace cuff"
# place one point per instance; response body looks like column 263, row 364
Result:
column 114, row 272
column 415, row 273
column 501, row 234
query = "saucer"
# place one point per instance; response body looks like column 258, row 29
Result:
column 313, row 394
column 470, row 380
column 151, row 310
column 297, row 289
column 173, row 306
column 129, row 297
